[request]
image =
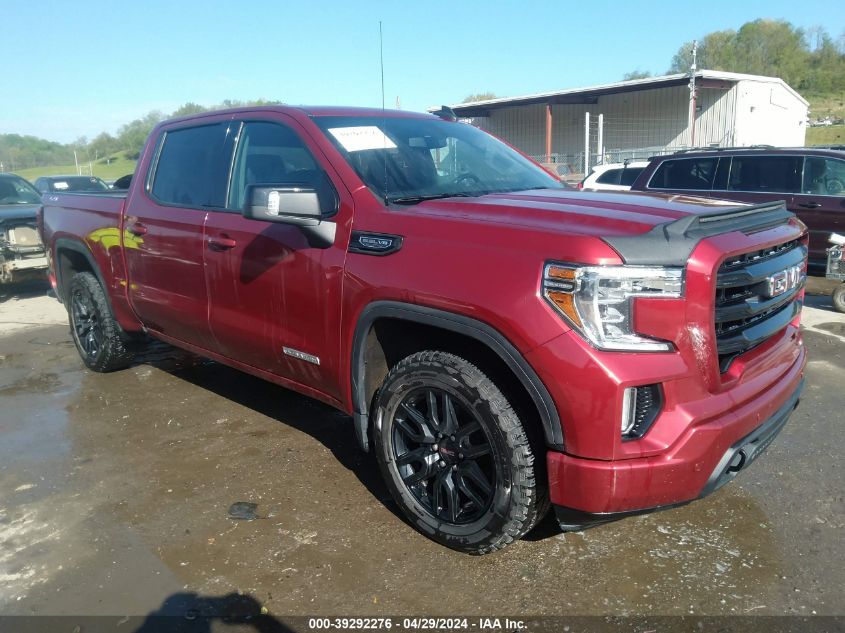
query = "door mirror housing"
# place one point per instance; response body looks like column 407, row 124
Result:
column 298, row 205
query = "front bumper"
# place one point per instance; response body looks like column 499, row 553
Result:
column 710, row 453
column 32, row 263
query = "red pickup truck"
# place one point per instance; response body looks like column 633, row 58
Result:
column 501, row 341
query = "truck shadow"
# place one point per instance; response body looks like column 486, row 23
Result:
column 23, row 290
column 332, row 428
column 193, row 613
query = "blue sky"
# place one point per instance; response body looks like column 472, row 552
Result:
column 79, row 68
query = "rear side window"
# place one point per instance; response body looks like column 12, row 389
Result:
column 684, row 173
column 824, row 176
column 775, row 174
column 192, row 170
column 610, row 177
column 629, row 175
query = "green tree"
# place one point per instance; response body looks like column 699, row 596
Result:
column 636, row 74
column 481, row 96
column 773, row 48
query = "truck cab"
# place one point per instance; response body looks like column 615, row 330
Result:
column 501, row 343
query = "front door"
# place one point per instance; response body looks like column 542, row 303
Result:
column 163, row 232
column 821, row 203
column 274, row 300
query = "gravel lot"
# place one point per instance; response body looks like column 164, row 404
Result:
column 114, row 492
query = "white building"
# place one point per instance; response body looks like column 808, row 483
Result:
column 634, row 119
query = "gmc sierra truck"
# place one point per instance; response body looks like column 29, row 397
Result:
column 502, row 343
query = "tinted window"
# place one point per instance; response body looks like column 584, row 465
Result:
column 192, row 170
column 610, row 177
column 269, row 154
column 684, row 173
column 76, row 184
column 14, row 190
column 777, row 174
column 629, row 175
column 825, row 176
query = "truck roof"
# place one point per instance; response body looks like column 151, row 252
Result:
column 315, row 111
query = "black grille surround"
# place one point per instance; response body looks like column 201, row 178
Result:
column 745, row 314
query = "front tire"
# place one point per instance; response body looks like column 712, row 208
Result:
column 839, row 298
column 455, row 455
column 96, row 334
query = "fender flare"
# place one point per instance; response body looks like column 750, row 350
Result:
column 478, row 330
column 68, row 244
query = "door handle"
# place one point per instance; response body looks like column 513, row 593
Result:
column 221, row 243
column 138, row 229
column 810, row 205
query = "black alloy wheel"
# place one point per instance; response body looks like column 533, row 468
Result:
column 443, row 455
column 98, row 337
column 455, row 455
column 88, row 331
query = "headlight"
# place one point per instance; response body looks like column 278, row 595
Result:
column 598, row 301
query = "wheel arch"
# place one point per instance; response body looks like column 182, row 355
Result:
column 369, row 364
column 72, row 256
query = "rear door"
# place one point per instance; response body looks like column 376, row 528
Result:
column 692, row 175
column 274, row 299
column 821, row 201
column 163, row 230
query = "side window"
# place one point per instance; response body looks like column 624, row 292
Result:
column 720, row 182
column 824, row 176
column 629, row 175
column 610, row 177
column 270, row 154
column 191, row 168
column 684, row 173
column 776, row 174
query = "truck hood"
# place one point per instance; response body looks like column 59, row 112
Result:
column 9, row 212
column 604, row 214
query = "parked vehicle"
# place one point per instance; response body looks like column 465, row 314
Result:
column 501, row 342
column 614, row 176
column 21, row 251
column 836, row 269
column 69, row 184
column 123, row 182
column 810, row 181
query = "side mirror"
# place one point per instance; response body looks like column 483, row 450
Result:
column 298, row 205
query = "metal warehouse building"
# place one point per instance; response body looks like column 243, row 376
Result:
column 639, row 118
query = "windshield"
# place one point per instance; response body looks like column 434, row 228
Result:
column 16, row 190
column 77, row 183
column 408, row 160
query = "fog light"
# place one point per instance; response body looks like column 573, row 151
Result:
column 629, row 410
column 640, row 407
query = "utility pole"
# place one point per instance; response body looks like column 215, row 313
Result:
column 692, row 93
column 76, row 161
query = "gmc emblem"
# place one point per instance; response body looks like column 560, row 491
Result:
column 784, row 281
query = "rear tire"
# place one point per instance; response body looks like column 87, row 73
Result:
column 455, row 455
column 97, row 336
column 839, row 297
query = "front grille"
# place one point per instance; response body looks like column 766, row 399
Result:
column 746, row 312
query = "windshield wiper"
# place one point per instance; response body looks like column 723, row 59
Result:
column 431, row 196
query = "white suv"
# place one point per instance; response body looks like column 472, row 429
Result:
column 614, row 176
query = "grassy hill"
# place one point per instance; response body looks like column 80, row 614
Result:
column 118, row 165
column 829, row 135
